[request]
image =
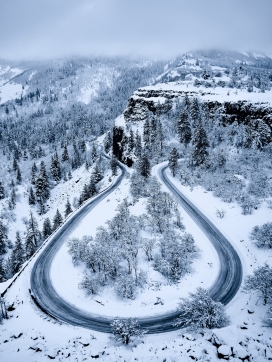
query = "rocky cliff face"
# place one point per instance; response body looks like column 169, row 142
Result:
column 231, row 105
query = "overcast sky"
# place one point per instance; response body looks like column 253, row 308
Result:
column 37, row 29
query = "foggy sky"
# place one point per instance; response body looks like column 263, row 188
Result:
column 39, row 29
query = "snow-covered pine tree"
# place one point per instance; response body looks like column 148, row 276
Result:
column 173, row 161
column 195, row 113
column 68, row 208
column 186, row 103
column 57, row 221
column 96, row 174
column 65, row 154
column 199, row 145
column 19, row 176
column 55, row 168
column 47, row 228
column 12, row 199
column 42, row 188
column 33, row 173
column 160, row 137
column 2, row 190
column 84, row 195
column 138, row 144
column 15, row 164
column 3, row 238
column 114, row 165
column 76, row 162
column 131, row 142
column 91, row 186
column 2, row 271
column 33, row 237
column 17, row 256
column 31, row 197
column 94, row 152
column 184, row 128
column 144, row 165
column 146, row 134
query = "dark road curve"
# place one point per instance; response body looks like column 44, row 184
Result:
column 45, row 296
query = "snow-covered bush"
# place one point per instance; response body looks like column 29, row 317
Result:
column 90, row 283
column 220, row 213
column 201, row 311
column 125, row 331
column 261, row 281
column 125, row 286
column 262, row 235
column 176, row 254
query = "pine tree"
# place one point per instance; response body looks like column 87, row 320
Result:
column 47, row 228
column 12, row 199
column 114, row 165
column 146, row 134
column 97, row 175
column 153, row 132
column 84, row 195
column 68, row 208
column 199, row 145
column 31, row 197
column 91, row 187
column 42, row 188
column 184, row 128
column 195, row 111
column 18, row 176
column 94, row 153
column 138, row 144
column 160, row 138
column 55, row 168
column 173, row 161
column 25, row 157
column 144, row 165
column 3, row 238
column 86, row 166
column 33, row 237
column 131, row 142
column 33, row 173
column 65, row 154
column 17, row 256
column 57, row 221
column 82, row 145
column 2, row 190
column 15, row 164
column 186, row 103
column 76, row 159
column 2, row 274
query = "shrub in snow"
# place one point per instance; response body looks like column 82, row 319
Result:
column 90, row 284
column 220, row 213
column 201, row 311
column 125, row 331
column 262, row 235
column 176, row 253
column 261, row 280
column 125, row 286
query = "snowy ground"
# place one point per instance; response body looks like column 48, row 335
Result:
column 246, row 336
column 65, row 276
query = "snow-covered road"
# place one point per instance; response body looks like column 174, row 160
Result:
column 223, row 290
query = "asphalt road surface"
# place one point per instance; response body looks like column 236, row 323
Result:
column 46, row 297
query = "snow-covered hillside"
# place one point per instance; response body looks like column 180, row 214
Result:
column 212, row 111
